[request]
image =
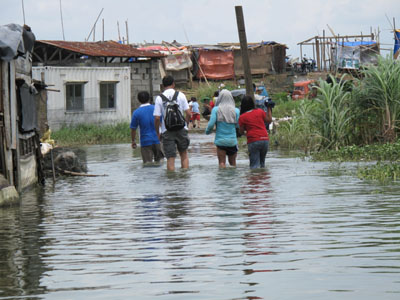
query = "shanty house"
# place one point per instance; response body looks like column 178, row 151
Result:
column 353, row 55
column 224, row 61
column 213, row 62
column 94, row 82
column 265, row 58
column 19, row 135
column 177, row 61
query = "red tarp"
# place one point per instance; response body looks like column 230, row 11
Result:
column 216, row 64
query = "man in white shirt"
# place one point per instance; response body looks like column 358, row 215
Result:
column 171, row 140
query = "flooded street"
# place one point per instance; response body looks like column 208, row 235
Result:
column 296, row 230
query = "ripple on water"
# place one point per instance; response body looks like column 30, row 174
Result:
column 293, row 230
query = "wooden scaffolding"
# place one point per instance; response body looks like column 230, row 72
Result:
column 323, row 47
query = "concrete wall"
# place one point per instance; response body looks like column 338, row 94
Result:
column 8, row 193
column 145, row 76
column 28, row 173
column 58, row 77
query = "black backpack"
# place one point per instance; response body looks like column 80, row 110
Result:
column 173, row 117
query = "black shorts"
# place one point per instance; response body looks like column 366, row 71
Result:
column 206, row 112
column 229, row 150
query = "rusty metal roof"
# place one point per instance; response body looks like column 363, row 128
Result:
column 102, row 49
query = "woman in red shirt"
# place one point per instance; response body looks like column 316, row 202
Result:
column 252, row 123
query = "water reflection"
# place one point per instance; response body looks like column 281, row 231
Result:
column 23, row 240
column 258, row 232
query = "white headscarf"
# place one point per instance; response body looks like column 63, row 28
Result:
column 226, row 107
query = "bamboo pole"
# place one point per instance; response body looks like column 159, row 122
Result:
column 81, row 174
column 127, row 32
column 323, row 52
column 94, row 25
column 62, row 22
column 318, row 56
column 119, row 33
column 301, row 52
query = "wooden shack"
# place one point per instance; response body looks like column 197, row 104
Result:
column 266, row 58
column 19, row 134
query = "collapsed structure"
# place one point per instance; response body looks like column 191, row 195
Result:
column 337, row 53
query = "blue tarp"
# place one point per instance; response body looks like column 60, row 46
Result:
column 396, row 50
column 357, row 43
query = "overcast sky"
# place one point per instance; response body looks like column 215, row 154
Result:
column 205, row 21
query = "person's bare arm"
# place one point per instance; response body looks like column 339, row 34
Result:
column 268, row 115
column 133, row 137
column 241, row 130
column 188, row 116
column 157, row 125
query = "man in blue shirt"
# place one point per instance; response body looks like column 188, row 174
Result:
column 143, row 118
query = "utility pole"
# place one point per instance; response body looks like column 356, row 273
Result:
column 243, row 50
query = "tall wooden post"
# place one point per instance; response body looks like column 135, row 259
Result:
column 317, row 48
column 323, row 50
column 301, row 52
column 243, row 49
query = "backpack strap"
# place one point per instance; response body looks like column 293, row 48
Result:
column 175, row 96
column 164, row 98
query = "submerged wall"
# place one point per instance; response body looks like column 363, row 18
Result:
column 8, row 194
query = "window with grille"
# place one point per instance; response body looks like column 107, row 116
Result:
column 108, row 95
column 74, row 96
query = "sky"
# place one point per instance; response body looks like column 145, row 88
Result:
column 205, row 21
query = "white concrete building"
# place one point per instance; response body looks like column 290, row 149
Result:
column 86, row 95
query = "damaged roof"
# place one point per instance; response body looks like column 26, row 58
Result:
column 102, row 49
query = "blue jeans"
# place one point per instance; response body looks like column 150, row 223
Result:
column 257, row 152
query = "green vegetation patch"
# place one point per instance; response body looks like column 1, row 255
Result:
column 375, row 152
column 92, row 134
column 382, row 172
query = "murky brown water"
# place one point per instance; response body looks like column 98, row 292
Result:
column 295, row 230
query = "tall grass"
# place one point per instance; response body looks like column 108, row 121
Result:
column 332, row 119
column 299, row 133
column 205, row 90
column 379, row 97
column 92, row 134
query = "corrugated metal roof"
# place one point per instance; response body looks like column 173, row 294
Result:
column 102, row 49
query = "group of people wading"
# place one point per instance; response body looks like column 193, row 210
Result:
column 157, row 142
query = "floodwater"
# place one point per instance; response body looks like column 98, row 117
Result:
column 296, row 230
